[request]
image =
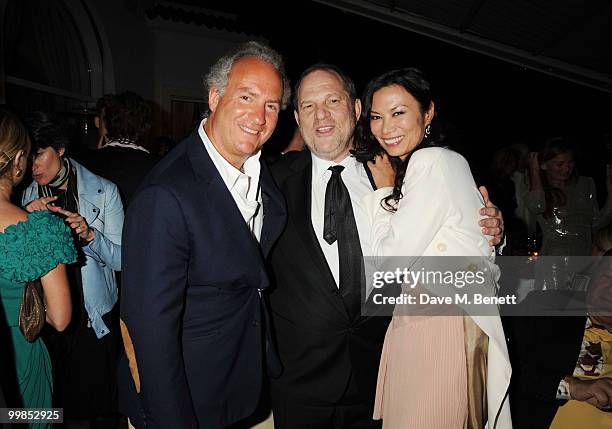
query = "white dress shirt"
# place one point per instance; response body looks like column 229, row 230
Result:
column 356, row 181
column 243, row 186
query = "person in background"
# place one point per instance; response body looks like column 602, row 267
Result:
column 563, row 364
column 84, row 355
column 565, row 203
column 296, row 144
column 122, row 158
column 32, row 246
column 520, row 177
column 101, row 105
column 501, row 185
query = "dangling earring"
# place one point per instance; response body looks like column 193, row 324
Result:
column 19, row 172
column 427, row 131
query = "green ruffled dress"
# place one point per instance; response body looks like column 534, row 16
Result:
column 29, row 250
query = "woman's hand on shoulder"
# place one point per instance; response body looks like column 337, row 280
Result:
column 382, row 171
column 39, row 204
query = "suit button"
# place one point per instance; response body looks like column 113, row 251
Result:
column 352, row 330
column 95, row 210
column 336, row 292
column 441, row 247
column 99, row 191
column 255, row 323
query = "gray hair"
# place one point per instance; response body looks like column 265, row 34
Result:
column 218, row 75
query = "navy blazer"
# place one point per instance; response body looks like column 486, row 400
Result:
column 190, row 299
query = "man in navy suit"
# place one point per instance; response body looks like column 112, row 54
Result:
column 195, row 239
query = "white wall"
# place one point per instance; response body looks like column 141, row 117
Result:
column 159, row 59
column 183, row 56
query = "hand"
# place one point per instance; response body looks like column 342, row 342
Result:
column 382, row 171
column 534, row 163
column 39, row 204
column 595, row 392
column 76, row 222
column 493, row 225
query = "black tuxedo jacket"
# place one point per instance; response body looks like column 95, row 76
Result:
column 190, row 300
column 319, row 345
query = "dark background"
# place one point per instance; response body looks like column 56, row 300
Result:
column 487, row 103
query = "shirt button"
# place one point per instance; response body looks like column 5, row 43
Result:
column 255, row 323
column 441, row 247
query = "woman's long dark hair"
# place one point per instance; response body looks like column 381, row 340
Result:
column 554, row 197
column 366, row 147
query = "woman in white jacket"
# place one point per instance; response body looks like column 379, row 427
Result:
column 436, row 371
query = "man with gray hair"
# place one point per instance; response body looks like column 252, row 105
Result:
column 194, row 243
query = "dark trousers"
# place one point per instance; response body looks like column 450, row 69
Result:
column 351, row 412
column 84, row 372
column 528, row 413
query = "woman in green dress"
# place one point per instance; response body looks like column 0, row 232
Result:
column 34, row 246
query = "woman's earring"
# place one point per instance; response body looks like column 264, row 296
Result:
column 19, row 172
column 427, row 131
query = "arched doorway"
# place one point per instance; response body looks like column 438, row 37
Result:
column 54, row 58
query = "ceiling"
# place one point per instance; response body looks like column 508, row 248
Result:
column 569, row 39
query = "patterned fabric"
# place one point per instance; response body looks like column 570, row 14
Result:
column 124, row 142
column 34, row 247
column 594, row 361
column 595, row 358
column 591, row 362
column 68, row 198
column 28, row 250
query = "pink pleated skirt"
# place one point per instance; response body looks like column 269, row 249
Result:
column 422, row 379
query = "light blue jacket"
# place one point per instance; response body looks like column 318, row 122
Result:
column 100, row 205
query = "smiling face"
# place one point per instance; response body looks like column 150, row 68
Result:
column 397, row 120
column 326, row 115
column 244, row 117
column 559, row 168
column 46, row 165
